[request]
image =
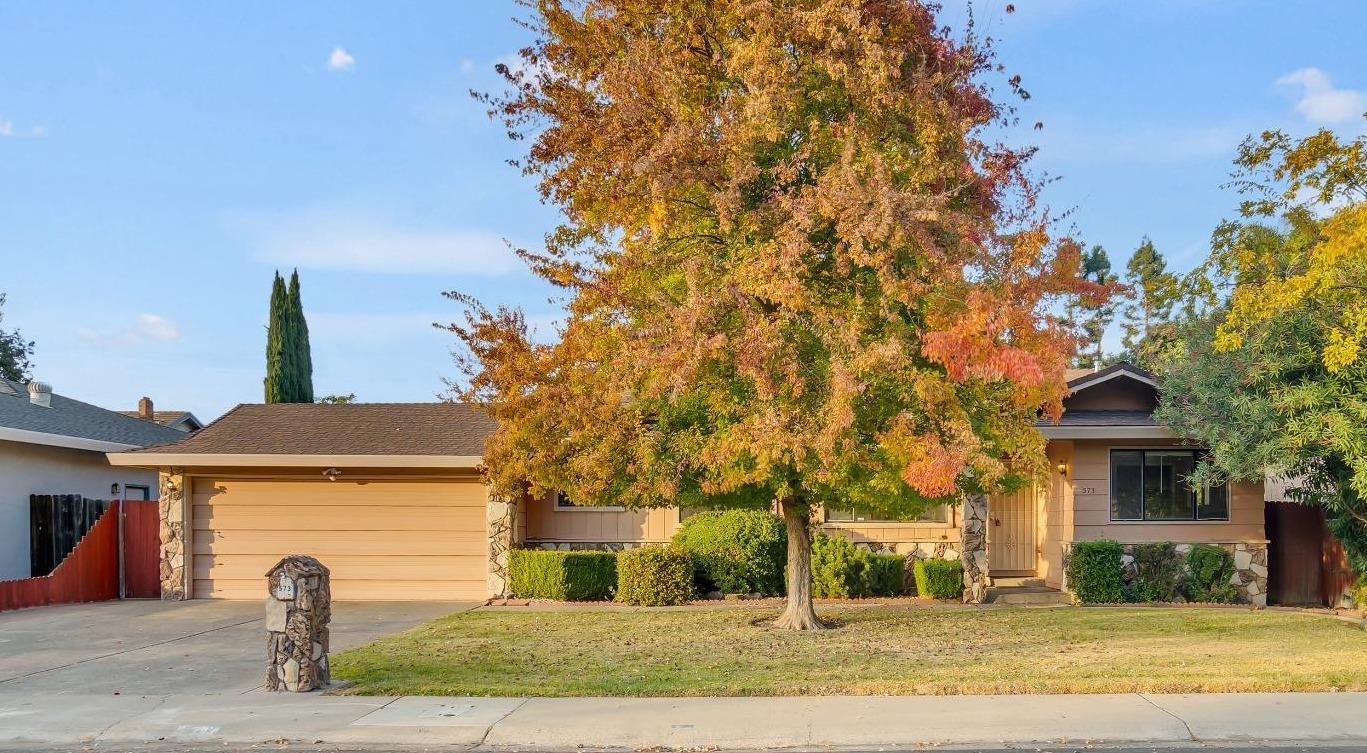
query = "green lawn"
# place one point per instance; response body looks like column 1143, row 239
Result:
column 875, row 650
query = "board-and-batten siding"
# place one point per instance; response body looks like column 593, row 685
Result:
column 545, row 522
column 1091, row 477
column 382, row 540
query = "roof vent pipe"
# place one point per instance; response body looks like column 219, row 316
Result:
column 40, row 393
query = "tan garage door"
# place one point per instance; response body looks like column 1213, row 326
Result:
column 382, row 540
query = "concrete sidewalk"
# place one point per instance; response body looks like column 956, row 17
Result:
column 725, row 723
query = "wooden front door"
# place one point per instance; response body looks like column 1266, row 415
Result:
column 1011, row 546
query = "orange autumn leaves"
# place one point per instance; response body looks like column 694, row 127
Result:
column 793, row 267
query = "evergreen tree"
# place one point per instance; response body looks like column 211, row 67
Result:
column 278, row 373
column 299, row 334
column 1092, row 318
column 15, row 352
column 1153, row 291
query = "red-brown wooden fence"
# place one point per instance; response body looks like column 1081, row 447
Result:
column 141, row 567
column 89, row 573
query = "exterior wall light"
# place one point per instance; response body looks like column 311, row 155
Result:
column 331, row 474
column 1063, row 468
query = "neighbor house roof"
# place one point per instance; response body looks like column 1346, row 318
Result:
column 172, row 418
column 356, row 435
column 71, row 423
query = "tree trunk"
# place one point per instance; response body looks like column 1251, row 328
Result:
column 799, row 614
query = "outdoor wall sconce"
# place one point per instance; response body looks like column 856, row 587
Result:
column 1063, row 468
column 332, row 474
column 114, row 489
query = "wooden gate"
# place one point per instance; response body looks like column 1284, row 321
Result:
column 89, row 573
column 1011, row 546
column 1307, row 565
column 141, row 568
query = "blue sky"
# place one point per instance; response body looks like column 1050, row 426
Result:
column 159, row 160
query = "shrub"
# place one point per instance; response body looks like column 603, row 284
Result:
column 654, row 576
column 736, row 551
column 565, row 576
column 1094, row 572
column 841, row 570
column 1157, row 572
column 939, row 579
column 1360, row 592
column 1209, row 569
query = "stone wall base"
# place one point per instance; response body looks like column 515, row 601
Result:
column 1250, row 566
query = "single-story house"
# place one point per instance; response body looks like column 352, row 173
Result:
column 51, row 444
column 389, row 496
column 180, row 420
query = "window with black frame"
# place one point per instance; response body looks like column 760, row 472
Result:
column 1152, row 485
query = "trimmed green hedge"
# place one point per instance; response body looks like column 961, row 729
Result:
column 939, row 579
column 1209, row 569
column 841, row 570
column 1157, row 572
column 1094, row 572
column 564, row 576
column 654, row 576
column 736, row 551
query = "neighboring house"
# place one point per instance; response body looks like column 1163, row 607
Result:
column 390, row 498
column 50, row 444
column 180, row 420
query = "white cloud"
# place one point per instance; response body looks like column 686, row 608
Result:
column 1320, row 102
column 157, row 328
column 146, row 327
column 467, row 66
column 6, row 128
column 340, row 60
column 357, row 240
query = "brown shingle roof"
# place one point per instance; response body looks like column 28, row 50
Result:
column 454, row 429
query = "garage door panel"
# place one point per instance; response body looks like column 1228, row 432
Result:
column 336, row 543
column 355, row 590
column 339, row 493
column 277, row 517
column 346, row 567
column 381, row 540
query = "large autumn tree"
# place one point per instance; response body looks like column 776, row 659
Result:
column 796, row 272
column 1273, row 377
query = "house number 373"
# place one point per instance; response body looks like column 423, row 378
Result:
column 1086, row 490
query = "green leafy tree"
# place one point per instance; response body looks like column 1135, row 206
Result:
column 347, row 399
column 289, row 370
column 1263, row 378
column 16, row 353
column 1152, row 293
column 797, row 271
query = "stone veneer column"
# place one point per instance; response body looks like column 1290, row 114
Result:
column 501, row 518
column 175, row 523
column 1250, row 572
column 973, row 548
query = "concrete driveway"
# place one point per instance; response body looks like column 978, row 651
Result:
column 159, row 648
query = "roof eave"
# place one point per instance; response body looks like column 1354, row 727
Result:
column 27, row 436
column 258, row 460
column 1091, row 380
column 1107, row 432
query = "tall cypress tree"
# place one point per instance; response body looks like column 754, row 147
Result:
column 278, row 376
column 299, row 345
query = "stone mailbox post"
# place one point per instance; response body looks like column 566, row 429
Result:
column 298, row 609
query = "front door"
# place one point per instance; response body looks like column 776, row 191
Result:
column 1011, row 533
